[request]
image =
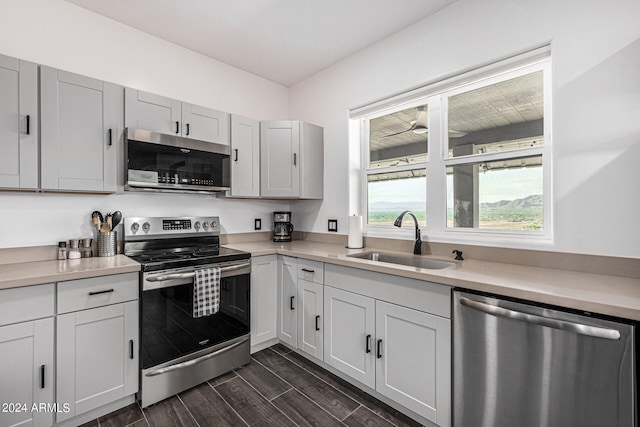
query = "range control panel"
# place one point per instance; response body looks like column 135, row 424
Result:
column 176, row 224
column 145, row 227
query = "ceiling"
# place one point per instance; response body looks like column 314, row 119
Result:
column 284, row 41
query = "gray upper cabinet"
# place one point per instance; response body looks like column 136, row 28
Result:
column 151, row 112
column 291, row 160
column 80, row 127
column 18, row 124
column 160, row 114
column 245, row 157
column 205, row 124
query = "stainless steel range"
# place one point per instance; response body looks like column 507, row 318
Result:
column 179, row 350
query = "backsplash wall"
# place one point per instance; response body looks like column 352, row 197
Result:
column 35, row 219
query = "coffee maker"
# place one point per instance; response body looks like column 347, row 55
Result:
column 282, row 227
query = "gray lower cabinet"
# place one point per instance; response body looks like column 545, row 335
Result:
column 288, row 300
column 97, row 361
column 413, row 360
column 26, row 356
column 349, row 334
column 291, row 160
column 264, row 291
column 18, row 124
column 393, row 335
column 80, row 126
column 310, row 315
column 144, row 110
column 245, row 157
column 26, row 352
column 97, row 342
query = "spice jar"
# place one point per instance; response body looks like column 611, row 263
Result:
column 62, row 250
column 74, row 251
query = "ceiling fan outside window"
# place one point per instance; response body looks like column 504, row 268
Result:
column 419, row 125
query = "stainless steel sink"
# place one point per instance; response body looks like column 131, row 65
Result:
column 408, row 259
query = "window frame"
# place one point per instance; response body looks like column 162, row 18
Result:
column 435, row 96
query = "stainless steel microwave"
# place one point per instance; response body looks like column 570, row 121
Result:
column 160, row 162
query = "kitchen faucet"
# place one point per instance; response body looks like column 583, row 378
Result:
column 417, row 248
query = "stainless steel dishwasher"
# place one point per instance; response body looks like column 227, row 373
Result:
column 519, row 364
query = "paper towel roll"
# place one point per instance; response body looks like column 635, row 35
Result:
column 355, row 232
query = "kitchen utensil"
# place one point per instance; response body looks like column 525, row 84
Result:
column 116, row 218
column 109, row 219
column 96, row 219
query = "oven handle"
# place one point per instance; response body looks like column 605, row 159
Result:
column 195, row 361
column 193, row 273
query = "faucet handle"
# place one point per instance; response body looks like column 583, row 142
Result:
column 458, row 255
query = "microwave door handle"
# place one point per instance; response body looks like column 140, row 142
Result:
column 191, row 274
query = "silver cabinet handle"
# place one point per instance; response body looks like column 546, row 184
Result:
column 193, row 273
column 576, row 328
column 195, row 361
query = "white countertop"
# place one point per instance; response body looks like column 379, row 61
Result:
column 597, row 293
column 38, row 272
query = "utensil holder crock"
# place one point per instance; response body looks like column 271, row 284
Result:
column 107, row 243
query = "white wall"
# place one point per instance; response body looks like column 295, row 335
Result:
column 64, row 36
column 596, row 105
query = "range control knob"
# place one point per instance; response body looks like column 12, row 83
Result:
column 197, row 225
column 135, row 227
column 146, row 227
column 205, row 225
column 214, row 224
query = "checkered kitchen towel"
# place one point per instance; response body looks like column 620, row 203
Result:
column 206, row 292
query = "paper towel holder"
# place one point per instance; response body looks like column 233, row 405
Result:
column 358, row 233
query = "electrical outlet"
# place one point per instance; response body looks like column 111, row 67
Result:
column 333, row 225
column 257, row 224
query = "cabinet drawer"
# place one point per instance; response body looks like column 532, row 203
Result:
column 312, row 271
column 82, row 294
column 26, row 303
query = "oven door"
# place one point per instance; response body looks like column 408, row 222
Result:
column 170, row 333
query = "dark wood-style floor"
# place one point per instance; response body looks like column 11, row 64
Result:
column 278, row 388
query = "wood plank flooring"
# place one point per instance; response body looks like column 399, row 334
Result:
column 278, row 388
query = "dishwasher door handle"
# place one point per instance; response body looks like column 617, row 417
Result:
column 564, row 325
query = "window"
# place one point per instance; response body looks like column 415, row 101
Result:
column 480, row 145
column 396, row 165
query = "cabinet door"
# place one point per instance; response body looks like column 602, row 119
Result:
column 287, row 300
column 152, row 112
column 18, row 123
column 97, row 357
column 413, row 364
column 264, row 292
column 310, row 303
column 349, row 334
column 205, row 124
column 26, row 352
column 79, row 128
column 245, row 157
column 280, row 159
column 311, row 161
